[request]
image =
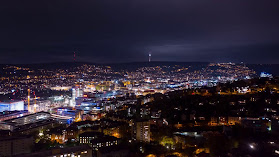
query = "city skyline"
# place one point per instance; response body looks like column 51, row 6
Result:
column 139, row 78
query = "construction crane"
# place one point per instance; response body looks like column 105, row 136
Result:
column 28, row 100
column 35, row 103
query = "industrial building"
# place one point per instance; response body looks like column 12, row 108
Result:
column 20, row 122
column 6, row 115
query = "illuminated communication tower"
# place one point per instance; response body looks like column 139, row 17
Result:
column 149, row 57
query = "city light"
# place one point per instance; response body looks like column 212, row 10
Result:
column 252, row 146
column 139, row 78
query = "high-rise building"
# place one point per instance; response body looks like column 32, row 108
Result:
column 141, row 131
column 149, row 57
column 76, row 92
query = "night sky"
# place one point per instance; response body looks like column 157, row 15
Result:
column 114, row 31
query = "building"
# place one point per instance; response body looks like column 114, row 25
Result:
column 105, row 141
column 67, row 114
column 11, row 146
column 86, row 137
column 230, row 120
column 40, row 105
column 76, row 151
column 71, row 133
column 141, row 131
column 266, row 75
column 57, row 134
column 31, row 118
column 91, row 116
column 213, row 121
column 11, row 106
column 257, row 124
column 76, row 92
column 112, row 131
column 20, row 123
column 234, row 120
column 6, row 115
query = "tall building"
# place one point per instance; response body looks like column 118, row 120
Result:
column 76, row 92
column 149, row 57
column 141, row 131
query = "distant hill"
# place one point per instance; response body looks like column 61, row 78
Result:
column 270, row 68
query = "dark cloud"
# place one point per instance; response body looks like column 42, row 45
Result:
column 127, row 30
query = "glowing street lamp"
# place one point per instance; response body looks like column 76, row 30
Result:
column 251, row 146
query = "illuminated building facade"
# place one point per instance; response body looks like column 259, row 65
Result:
column 105, row 141
column 141, row 131
column 76, row 92
column 58, row 136
column 12, row 114
column 15, row 123
column 75, row 151
column 40, row 105
column 11, row 106
column 67, row 114
column 86, row 137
